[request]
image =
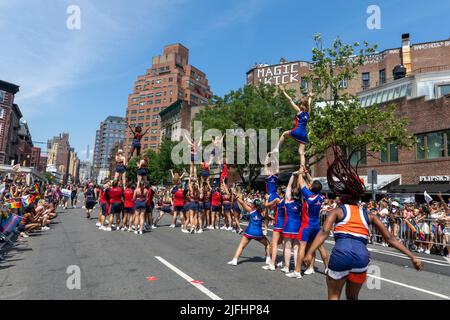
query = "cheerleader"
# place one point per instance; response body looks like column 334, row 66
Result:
column 115, row 195
column 292, row 226
column 216, row 206
column 253, row 230
column 142, row 171
column 226, row 202
column 140, row 200
column 128, row 208
column 207, row 207
column 279, row 221
column 121, row 167
column 299, row 133
column 178, row 203
column 166, row 207
column 236, row 214
column 104, row 207
column 350, row 258
column 195, row 147
column 137, row 137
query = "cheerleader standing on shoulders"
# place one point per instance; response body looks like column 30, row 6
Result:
column 254, row 229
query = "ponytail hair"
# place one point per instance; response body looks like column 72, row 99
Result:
column 258, row 205
column 343, row 179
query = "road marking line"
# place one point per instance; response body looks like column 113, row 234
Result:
column 385, row 252
column 400, row 284
column 189, row 279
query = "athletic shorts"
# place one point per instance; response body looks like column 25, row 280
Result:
column 205, row 173
column 308, row 234
column 128, row 210
column 142, row 172
column 236, row 208
column 349, row 259
column 166, row 209
column 139, row 205
column 299, row 135
column 215, row 208
column 207, row 205
column 104, row 207
column 193, row 206
column 186, row 206
column 137, row 143
column 121, row 169
column 116, row 208
column 227, row 207
column 90, row 205
column 178, row 208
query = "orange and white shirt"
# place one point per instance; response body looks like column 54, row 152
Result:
column 355, row 223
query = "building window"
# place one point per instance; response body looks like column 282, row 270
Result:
column 366, row 80
column 382, row 76
column 2, row 113
column 443, row 90
column 433, row 145
column 358, row 157
column 390, row 153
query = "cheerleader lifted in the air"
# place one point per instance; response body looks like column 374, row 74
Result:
column 299, row 132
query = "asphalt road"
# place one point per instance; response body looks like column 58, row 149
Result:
column 167, row 264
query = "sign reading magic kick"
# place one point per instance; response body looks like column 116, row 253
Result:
column 435, row 179
column 279, row 74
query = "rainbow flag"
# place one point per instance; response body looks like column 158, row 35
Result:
column 36, row 188
column 28, row 200
column 15, row 205
column 411, row 225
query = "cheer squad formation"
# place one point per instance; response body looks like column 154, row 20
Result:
column 196, row 203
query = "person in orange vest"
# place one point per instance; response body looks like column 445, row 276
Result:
column 349, row 259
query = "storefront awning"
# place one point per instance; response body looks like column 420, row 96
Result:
column 383, row 182
column 430, row 188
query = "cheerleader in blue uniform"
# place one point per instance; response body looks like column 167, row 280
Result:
column 254, row 229
column 279, row 223
column 292, row 225
column 299, row 132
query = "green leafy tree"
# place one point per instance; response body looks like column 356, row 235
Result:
column 338, row 117
column 251, row 107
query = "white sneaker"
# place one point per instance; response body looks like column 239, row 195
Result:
column 223, row 228
column 269, row 267
column 280, row 264
column 108, row 229
column 309, row 271
column 24, row 235
column 45, row 228
column 113, row 225
column 285, row 270
column 268, row 260
column 136, row 232
column 140, row 232
column 154, row 227
column 184, row 231
column 230, row 229
column 233, row 262
column 265, row 233
column 200, row 231
column 172, row 226
column 427, row 251
column 102, row 228
column 294, row 274
column 98, row 224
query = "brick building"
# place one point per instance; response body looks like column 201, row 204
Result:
column 58, row 156
column 24, row 145
column 175, row 117
column 417, row 79
column 377, row 70
column 170, row 78
column 36, row 158
column 7, row 93
column 110, row 134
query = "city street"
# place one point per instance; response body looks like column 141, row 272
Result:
column 167, row 264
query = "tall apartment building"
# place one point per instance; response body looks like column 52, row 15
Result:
column 74, row 167
column 110, row 134
column 7, row 93
column 171, row 78
column 36, row 158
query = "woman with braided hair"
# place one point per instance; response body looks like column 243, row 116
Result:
column 350, row 258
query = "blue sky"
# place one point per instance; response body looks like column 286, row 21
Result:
column 72, row 80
